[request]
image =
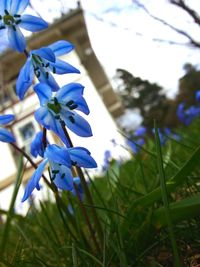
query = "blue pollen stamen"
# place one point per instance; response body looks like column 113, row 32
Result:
column 55, row 171
column 71, row 119
column 74, row 163
column 6, row 12
column 17, row 16
column 55, row 101
column 38, row 74
column 18, row 21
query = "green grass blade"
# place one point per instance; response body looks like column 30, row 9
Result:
column 164, row 194
column 179, row 178
column 10, row 213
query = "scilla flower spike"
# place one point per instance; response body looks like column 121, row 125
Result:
column 41, row 63
column 60, row 161
column 62, row 107
column 5, row 135
column 11, row 20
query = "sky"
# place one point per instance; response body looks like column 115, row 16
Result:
column 123, row 36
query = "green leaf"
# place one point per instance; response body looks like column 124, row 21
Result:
column 185, row 209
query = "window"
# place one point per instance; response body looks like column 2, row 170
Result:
column 27, row 131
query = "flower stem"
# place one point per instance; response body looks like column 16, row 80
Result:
column 33, row 164
column 84, row 211
column 85, row 187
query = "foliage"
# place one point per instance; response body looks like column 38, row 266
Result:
column 142, row 95
column 128, row 201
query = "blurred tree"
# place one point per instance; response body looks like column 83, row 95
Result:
column 143, row 95
column 150, row 99
column 188, row 85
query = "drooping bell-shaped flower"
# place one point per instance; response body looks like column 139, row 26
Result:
column 60, row 161
column 11, row 21
column 42, row 63
column 5, row 135
column 63, row 107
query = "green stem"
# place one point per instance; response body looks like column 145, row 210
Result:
column 86, row 190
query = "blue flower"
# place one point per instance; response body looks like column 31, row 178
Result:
column 11, row 19
column 37, row 146
column 173, row 135
column 197, row 96
column 60, row 161
column 5, row 135
column 42, row 62
column 140, row 131
column 61, row 108
column 135, row 145
column 186, row 115
column 163, row 138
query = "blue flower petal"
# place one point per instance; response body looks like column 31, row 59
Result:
column 49, row 80
column 56, row 127
column 6, row 136
column 77, row 124
column 62, row 67
column 43, row 92
column 81, row 156
column 46, row 53
column 61, row 47
column 16, row 39
column 82, row 105
column 58, row 155
column 44, row 117
column 70, row 91
column 4, row 119
column 36, row 147
column 3, row 6
column 24, row 79
column 18, row 6
column 32, row 23
column 63, row 179
column 34, row 180
column 73, row 92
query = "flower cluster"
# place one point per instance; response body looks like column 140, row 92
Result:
column 59, row 107
column 187, row 115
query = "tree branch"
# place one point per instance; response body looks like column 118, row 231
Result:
column 181, row 32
